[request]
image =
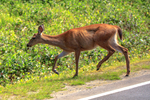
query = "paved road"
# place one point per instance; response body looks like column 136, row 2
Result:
column 139, row 92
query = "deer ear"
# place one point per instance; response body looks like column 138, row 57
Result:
column 40, row 29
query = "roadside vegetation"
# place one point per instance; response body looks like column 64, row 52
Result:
column 27, row 73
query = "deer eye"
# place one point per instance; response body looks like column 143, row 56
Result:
column 33, row 38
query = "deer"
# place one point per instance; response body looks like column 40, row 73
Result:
column 81, row 39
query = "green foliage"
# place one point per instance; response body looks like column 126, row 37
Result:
column 77, row 83
column 19, row 20
column 111, row 76
column 37, row 87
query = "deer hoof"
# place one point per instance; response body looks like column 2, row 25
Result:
column 97, row 69
column 55, row 71
column 75, row 76
column 126, row 75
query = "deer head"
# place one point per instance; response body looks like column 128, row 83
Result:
column 36, row 37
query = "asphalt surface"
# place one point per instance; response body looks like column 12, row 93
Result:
column 138, row 93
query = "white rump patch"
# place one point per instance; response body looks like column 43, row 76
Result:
column 114, row 42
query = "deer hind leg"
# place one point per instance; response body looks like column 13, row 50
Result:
column 125, row 52
column 110, row 50
column 64, row 53
column 77, row 55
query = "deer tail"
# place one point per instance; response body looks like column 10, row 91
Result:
column 119, row 32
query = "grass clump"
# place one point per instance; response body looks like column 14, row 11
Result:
column 77, row 83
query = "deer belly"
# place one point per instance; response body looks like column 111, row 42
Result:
column 87, row 46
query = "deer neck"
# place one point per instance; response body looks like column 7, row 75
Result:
column 51, row 40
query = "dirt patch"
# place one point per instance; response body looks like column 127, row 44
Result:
column 33, row 92
column 96, row 83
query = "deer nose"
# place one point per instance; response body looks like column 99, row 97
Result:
column 28, row 45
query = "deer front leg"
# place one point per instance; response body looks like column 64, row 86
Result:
column 77, row 55
column 54, row 67
column 64, row 53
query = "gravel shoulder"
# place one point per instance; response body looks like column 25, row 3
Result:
column 93, row 84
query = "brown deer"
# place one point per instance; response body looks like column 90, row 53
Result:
column 81, row 39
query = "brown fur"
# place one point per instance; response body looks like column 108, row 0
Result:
column 84, row 38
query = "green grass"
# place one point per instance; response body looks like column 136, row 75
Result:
column 146, row 67
column 20, row 19
column 77, row 83
column 42, row 87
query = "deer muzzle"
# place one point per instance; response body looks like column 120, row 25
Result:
column 28, row 45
